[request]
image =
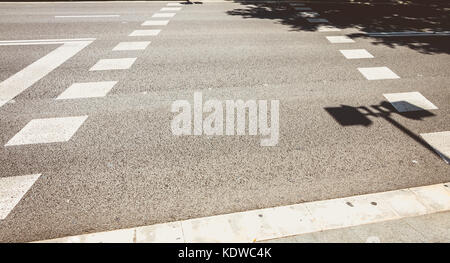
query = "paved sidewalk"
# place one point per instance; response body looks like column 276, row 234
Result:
column 429, row 228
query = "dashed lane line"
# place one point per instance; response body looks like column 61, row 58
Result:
column 282, row 221
column 23, row 79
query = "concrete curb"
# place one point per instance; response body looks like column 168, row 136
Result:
column 283, row 221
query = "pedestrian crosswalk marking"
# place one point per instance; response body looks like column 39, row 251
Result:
column 440, row 141
column 113, row 64
column 409, row 101
column 12, row 190
column 163, row 15
column 25, row 78
column 339, row 39
column 137, row 45
column 47, row 130
column 308, row 14
column 87, row 90
column 170, row 9
column 155, row 23
column 378, row 73
column 146, row 32
column 355, row 53
column 327, row 28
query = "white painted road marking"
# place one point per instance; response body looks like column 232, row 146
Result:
column 440, row 141
column 86, row 16
column 163, row 15
column 377, row 73
column 355, row 53
column 308, row 14
column 47, row 130
column 23, row 79
column 409, row 101
column 149, row 32
column 340, row 39
column 87, row 90
column 12, row 190
column 170, row 9
column 317, row 20
column 327, row 28
column 138, row 45
column 42, row 41
column 113, row 64
column 155, row 23
column 174, row 4
column 277, row 222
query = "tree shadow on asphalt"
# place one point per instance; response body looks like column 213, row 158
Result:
column 368, row 17
column 347, row 116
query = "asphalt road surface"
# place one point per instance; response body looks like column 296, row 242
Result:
column 111, row 161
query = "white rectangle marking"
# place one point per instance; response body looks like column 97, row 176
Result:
column 170, row 9
column 308, row 14
column 327, row 28
column 87, row 90
column 148, row 32
column 440, row 141
column 355, row 53
column 409, row 101
column 136, row 45
column 339, row 39
column 155, row 23
column 47, row 130
column 163, row 15
column 113, row 64
column 378, row 73
column 12, row 190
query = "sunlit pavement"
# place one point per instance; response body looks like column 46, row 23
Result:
column 85, row 102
